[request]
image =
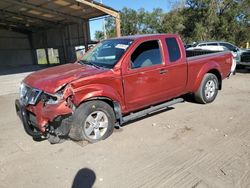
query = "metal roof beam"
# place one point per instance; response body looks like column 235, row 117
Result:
column 99, row 7
column 107, row 11
column 26, row 17
column 15, row 26
column 50, row 11
column 15, row 29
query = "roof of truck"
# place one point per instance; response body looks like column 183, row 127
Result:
column 135, row 37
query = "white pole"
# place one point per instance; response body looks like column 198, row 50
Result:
column 103, row 26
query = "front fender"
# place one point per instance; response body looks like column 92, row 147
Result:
column 210, row 66
column 96, row 90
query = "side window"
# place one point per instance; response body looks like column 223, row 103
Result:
column 212, row 44
column 201, row 44
column 173, row 49
column 228, row 46
column 146, row 54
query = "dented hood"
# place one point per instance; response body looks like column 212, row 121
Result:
column 51, row 79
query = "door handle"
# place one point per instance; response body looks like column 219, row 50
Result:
column 163, row 71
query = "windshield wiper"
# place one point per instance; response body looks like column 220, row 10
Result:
column 88, row 63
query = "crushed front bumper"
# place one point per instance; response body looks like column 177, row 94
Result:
column 39, row 121
column 28, row 127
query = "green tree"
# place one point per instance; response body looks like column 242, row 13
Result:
column 129, row 21
column 173, row 22
column 153, row 21
column 99, row 35
column 216, row 20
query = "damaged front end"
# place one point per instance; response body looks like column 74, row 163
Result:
column 44, row 115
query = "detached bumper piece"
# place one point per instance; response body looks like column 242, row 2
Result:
column 28, row 121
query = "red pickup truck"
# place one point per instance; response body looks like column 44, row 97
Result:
column 117, row 81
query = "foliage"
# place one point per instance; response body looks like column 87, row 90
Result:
column 194, row 20
column 99, row 35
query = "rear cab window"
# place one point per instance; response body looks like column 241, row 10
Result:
column 146, row 54
column 174, row 52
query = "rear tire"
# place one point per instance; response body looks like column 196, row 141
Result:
column 208, row 89
column 93, row 121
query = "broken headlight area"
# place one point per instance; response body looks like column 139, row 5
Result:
column 51, row 99
column 23, row 89
column 29, row 95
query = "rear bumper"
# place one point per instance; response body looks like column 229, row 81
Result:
column 28, row 127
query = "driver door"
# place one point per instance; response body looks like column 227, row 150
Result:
column 143, row 79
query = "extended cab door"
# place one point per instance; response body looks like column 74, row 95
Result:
column 175, row 79
column 143, row 75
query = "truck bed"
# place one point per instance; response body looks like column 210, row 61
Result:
column 196, row 65
column 204, row 54
column 192, row 53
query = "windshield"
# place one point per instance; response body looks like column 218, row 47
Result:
column 107, row 53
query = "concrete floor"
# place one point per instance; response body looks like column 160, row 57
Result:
column 10, row 77
column 191, row 145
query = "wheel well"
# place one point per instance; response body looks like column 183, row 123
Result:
column 114, row 105
column 104, row 99
column 217, row 74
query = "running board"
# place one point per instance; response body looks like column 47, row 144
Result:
column 151, row 109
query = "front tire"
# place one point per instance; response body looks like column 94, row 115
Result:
column 94, row 121
column 208, row 89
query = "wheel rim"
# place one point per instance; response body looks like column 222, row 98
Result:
column 96, row 125
column 210, row 89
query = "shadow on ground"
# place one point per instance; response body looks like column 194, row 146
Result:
column 85, row 178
